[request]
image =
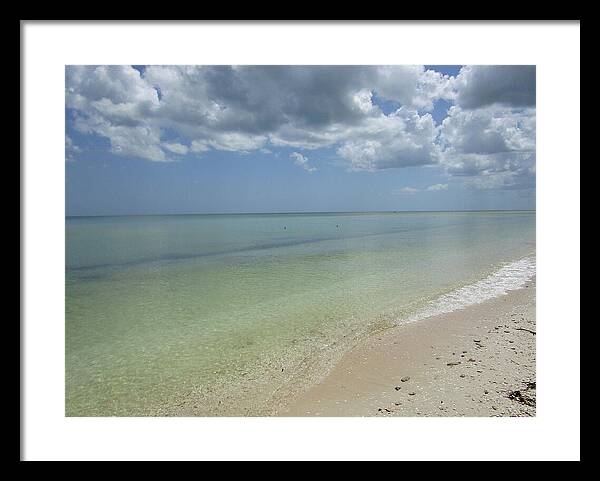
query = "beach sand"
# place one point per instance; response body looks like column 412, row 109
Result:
column 477, row 361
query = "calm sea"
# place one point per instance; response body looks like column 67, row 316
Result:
column 232, row 314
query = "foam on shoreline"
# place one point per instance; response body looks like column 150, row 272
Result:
column 509, row 277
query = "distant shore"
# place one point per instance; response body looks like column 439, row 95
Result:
column 477, row 361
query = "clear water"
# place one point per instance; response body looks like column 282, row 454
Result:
column 230, row 314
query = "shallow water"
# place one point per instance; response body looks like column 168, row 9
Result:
column 228, row 314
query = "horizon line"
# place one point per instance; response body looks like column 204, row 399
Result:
column 302, row 212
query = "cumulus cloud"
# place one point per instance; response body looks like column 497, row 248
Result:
column 491, row 147
column 115, row 102
column 411, row 85
column 484, row 85
column 245, row 108
column 302, row 161
column 402, row 139
column 118, row 85
column 487, row 139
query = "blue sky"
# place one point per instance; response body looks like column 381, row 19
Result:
column 167, row 139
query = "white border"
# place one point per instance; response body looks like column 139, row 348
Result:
column 554, row 48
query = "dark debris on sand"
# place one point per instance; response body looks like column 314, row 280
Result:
column 524, row 396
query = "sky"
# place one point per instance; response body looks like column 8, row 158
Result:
column 229, row 139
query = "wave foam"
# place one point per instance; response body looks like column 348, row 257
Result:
column 507, row 278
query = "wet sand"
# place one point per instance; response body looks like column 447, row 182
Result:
column 478, row 361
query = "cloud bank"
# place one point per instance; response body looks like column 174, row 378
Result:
column 162, row 113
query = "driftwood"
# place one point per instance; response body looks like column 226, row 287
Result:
column 523, row 329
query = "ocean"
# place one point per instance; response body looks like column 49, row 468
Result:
column 230, row 315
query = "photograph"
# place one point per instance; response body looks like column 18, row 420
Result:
column 300, row 240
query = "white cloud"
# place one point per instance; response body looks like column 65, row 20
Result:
column 411, row 85
column 141, row 140
column 302, row 161
column 364, row 101
column 436, row 187
column 241, row 109
column 489, row 130
column 237, row 142
column 199, row 147
column 116, row 103
column 406, row 191
column 413, row 190
column 491, row 147
column 402, row 139
column 70, row 149
column 176, row 148
column 487, row 139
column 119, row 84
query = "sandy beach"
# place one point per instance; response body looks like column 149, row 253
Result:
column 477, row 361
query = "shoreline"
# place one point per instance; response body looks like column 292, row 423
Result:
column 475, row 361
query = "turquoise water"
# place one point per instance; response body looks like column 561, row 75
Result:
column 231, row 314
